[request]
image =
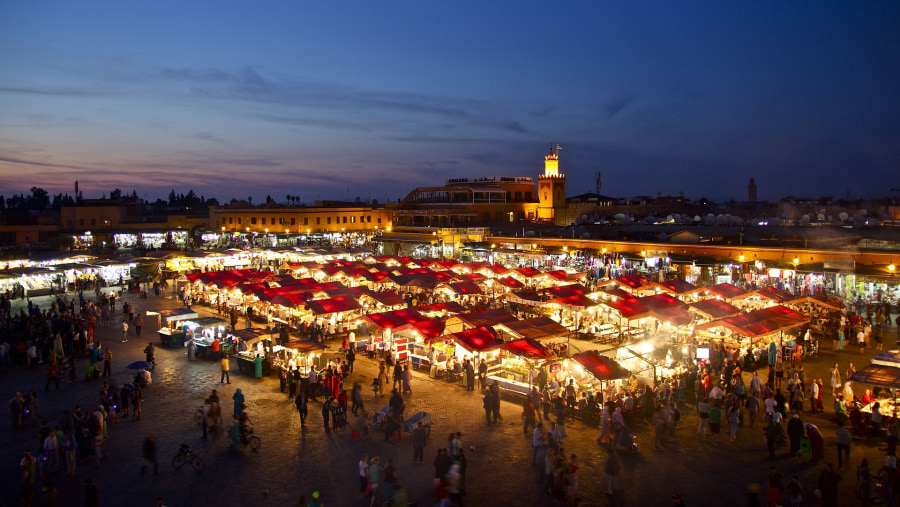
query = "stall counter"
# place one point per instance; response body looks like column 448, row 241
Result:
column 520, row 388
column 172, row 338
column 246, row 365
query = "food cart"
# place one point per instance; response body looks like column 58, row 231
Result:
column 203, row 331
column 173, row 334
column 592, row 371
column 247, row 344
column 519, row 359
column 883, row 372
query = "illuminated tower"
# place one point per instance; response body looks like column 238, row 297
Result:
column 552, row 190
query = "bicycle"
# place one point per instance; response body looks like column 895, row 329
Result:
column 248, row 438
column 186, row 455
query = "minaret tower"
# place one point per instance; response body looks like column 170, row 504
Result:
column 552, row 190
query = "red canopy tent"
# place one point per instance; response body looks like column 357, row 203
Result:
column 527, row 272
column 562, row 291
column 394, row 319
column 619, row 293
column 629, row 308
column 714, row 308
column 576, row 302
column 760, row 323
column 333, row 305
column 667, row 308
column 477, row 339
column 449, row 307
column 600, row 366
column 387, row 298
column 633, row 283
column 510, row 282
column 462, row 288
column 537, row 328
column 675, row 286
column 528, row 348
column 725, row 291
column 289, row 299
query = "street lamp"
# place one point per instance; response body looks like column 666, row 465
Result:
column 891, row 268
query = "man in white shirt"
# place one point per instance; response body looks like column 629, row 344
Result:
column 536, row 441
column 124, row 331
column 51, row 452
column 770, row 406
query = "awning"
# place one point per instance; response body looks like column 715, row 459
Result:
column 600, row 366
column 619, row 293
column 714, row 308
column 888, row 358
column 562, row 291
column 175, row 314
column 881, row 376
column 760, row 323
column 387, row 298
column 631, row 282
column 251, row 335
column 333, row 305
column 528, row 348
column 725, row 291
column 674, row 286
column 510, row 282
column 478, row 339
column 210, row 322
column 449, row 307
column 667, row 308
column 576, row 302
column 537, row 328
column 394, row 319
column 462, row 288
column 525, row 297
column 818, row 300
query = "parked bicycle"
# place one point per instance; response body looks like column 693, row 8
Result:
column 186, row 455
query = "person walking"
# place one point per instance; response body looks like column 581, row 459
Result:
column 302, row 402
column 843, row 444
column 107, row 363
column 138, row 324
column 226, row 366
column 835, row 379
column 52, row 376
column 419, row 437
column 148, row 455
column 774, row 488
column 238, row 402
column 124, row 330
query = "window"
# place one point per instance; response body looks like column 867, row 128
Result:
column 518, row 197
column 528, row 196
column 293, row 221
column 239, row 220
column 318, row 220
column 81, row 222
column 223, row 220
column 352, row 220
column 253, row 221
column 379, row 220
column 345, row 220
column 93, row 222
column 369, row 219
column 231, row 220
column 329, row 220
column 305, row 221
column 281, row 221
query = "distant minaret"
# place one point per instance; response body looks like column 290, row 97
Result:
column 552, row 190
column 751, row 191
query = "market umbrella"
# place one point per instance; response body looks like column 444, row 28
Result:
column 137, row 365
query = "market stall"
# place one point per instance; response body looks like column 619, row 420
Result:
column 203, row 332
column 591, row 372
column 173, row 334
column 519, row 361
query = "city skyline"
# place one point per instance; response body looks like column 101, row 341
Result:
column 362, row 100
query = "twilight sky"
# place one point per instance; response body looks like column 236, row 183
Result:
column 337, row 100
